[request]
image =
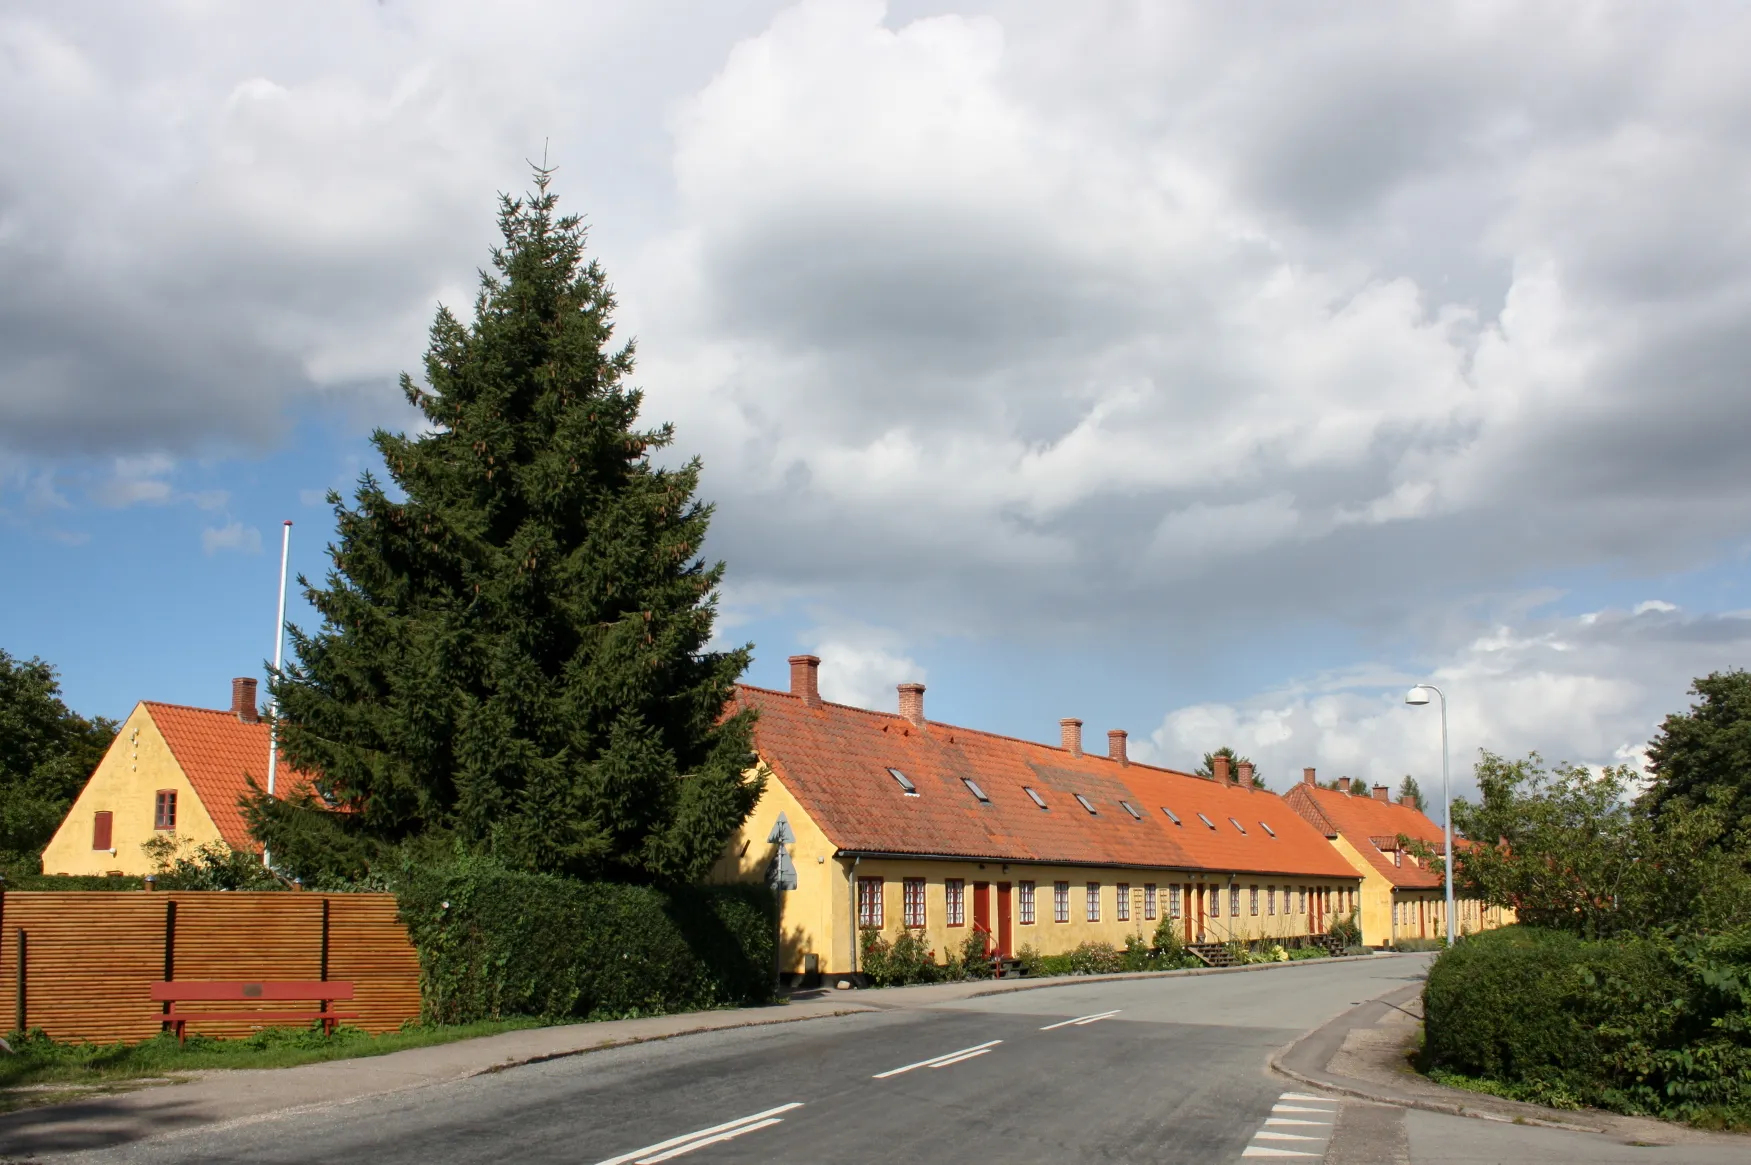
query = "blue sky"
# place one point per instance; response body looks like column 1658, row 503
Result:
column 1209, row 374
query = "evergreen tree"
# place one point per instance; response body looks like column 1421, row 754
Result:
column 47, row 751
column 1703, row 756
column 512, row 658
column 1208, row 768
column 1408, row 788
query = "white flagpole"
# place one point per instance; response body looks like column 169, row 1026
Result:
column 279, row 658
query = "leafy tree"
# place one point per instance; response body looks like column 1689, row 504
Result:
column 1408, row 788
column 1566, row 850
column 512, row 659
column 1703, row 756
column 47, row 751
column 1208, row 768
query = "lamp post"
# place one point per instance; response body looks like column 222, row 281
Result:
column 279, row 660
column 1420, row 695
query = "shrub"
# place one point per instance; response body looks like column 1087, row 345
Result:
column 73, row 882
column 1419, row 944
column 1640, row 1025
column 1347, row 930
column 897, row 963
column 494, row 942
column 1308, row 952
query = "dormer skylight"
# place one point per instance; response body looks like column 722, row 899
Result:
column 1266, row 827
column 905, row 782
column 975, row 790
column 1083, row 801
column 1131, row 809
column 1237, row 825
column 1034, row 797
column 1206, row 821
column 1172, row 816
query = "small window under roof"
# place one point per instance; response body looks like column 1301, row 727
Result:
column 1267, row 828
column 1083, row 801
column 1206, row 821
column 974, row 789
column 1237, row 825
column 905, row 782
column 1131, row 809
column 1034, row 797
column 1172, row 816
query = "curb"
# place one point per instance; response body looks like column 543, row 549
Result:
column 1187, row 972
column 1359, row 1090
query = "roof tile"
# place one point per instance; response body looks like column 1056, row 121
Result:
column 216, row 750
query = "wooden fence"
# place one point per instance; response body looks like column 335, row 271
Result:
column 90, row 957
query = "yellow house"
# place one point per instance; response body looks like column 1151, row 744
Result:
column 172, row 772
column 1401, row 899
column 900, row 823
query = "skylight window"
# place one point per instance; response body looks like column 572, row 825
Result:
column 1083, row 801
column 1034, row 797
column 905, row 782
column 1131, row 809
column 1206, row 821
column 1237, row 825
column 975, row 790
column 1266, row 827
column 1172, row 816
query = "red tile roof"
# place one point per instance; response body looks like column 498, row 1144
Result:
column 834, row 759
column 215, row 750
column 1372, row 827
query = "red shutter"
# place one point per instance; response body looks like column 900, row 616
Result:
column 100, row 829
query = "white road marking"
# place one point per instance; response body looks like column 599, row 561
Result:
column 1301, row 1108
column 704, row 1141
column 1267, row 1151
column 933, row 1062
column 1268, row 1135
column 1081, row 1020
column 961, row 1058
column 1311, row 1136
column 690, row 1141
column 1305, row 1096
column 1291, row 1120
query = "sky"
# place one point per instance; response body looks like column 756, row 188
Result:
column 1213, row 372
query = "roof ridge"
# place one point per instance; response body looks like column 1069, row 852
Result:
column 193, row 708
column 1137, row 764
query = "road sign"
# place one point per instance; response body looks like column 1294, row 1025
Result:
column 781, row 831
column 781, row 875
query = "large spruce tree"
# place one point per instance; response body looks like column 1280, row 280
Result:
column 512, row 659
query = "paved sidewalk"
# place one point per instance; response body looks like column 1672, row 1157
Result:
column 240, row 1096
column 1362, row 1054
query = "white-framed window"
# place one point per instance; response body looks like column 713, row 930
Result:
column 869, row 902
column 1060, row 901
column 1084, row 802
column 1234, row 902
column 1034, row 796
column 1093, row 906
column 1122, row 903
column 1270, row 900
column 1253, row 900
column 1149, row 901
column 1025, row 901
column 1173, row 902
column 954, row 892
column 1215, row 902
column 1303, row 909
column 912, row 890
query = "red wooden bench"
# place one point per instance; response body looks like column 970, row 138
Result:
column 322, row 992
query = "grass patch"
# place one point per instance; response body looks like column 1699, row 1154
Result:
column 40, row 1064
column 1532, row 1092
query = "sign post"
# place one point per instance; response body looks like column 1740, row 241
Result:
column 780, row 876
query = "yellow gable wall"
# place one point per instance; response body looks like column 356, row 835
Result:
column 817, row 917
column 1389, row 915
column 126, row 783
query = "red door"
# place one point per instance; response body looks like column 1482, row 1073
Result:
column 982, row 910
column 1005, row 936
column 1200, row 914
column 1422, row 919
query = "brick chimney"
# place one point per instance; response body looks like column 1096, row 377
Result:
column 1116, row 746
column 1343, row 784
column 1307, row 777
column 912, row 703
column 1244, row 776
column 1408, row 801
column 1220, row 767
column 805, row 679
column 1382, row 793
column 1070, row 735
column 243, row 699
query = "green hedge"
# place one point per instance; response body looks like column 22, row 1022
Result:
column 495, row 943
column 1650, row 1026
column 74, row 882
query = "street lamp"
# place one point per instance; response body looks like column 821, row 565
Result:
column 1419, row 695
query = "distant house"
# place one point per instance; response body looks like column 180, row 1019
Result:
column 904, row 823
column 172, row 771
column 1401, row 898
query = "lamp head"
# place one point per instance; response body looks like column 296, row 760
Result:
column 1417, row 695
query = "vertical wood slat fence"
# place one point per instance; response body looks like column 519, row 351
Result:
column 91, row 957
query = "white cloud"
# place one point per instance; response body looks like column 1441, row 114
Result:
column 231, row 536
column 861, row 666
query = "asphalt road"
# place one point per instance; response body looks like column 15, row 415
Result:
column 1162, row 1070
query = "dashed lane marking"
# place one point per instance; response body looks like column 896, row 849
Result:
column 1082, row 1020
column 686, row 1143
column 1311, row 1119
column 941, row 1061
